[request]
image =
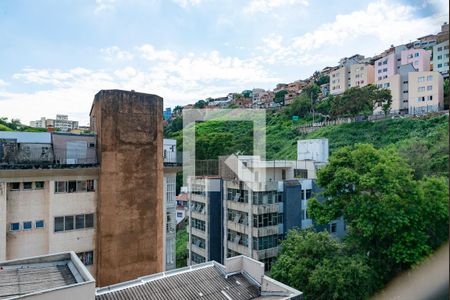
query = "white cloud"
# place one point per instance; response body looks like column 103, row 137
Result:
column 179, row 79
column 115, row 53
column 104, row 5
column 382, row 23
column 148, row 52
column 186, row 3
column 3, row 83
column 265, row 6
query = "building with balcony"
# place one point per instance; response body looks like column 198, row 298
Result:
column 441, row 58
column 340, row 78
column 61, row 122
column 426, row 92
column 205, row 212
column 389, row 62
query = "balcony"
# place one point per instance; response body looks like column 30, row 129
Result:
column 238, row 227
column 198, row 250
column 198, row 198
column 265, row 231
column 240, row 206
column 173, row 159
column 199, row 233
column 267, row 208
column 199, row 216
column 266, row 253
column 238, row 248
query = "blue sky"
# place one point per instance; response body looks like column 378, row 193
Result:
column 55, row 55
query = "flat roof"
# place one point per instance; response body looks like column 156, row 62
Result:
column 27, row 137
column 23, row 277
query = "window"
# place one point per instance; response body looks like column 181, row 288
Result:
column 439, row 65
column 59, row 224
column 430, row 98
column 333, row 227
column 81, row 186
column 300, row 173
column 439, row 49
column 417, row 54
column 27, row 225
column 14, row 226
column 430, row 77
column 79, row 221
column 421, row 89
column 199, row 242
column 283, row 174
column 198, row 224
column 379, row 63
column 72, row 186
column 429, row 88
column 379, row 78
column 421, row 79
column 87, row 258
column 91, row 145
column 385, row 70
column 439, row 57
column 308, row 194
column 410, row 56
column 27, row 185
column 179, row 214
column 60, row 186
column 89, row 219
column 386, row 85
column 15, row 186
column 385, row 62
column 90, row 185
column 39, row 185
column 39, row 224
column 68, row 223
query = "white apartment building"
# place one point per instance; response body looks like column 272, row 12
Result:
column 361, row 75
column 61, row 122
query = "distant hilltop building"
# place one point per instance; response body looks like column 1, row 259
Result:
column 61, row 122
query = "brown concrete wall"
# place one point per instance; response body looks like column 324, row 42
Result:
column 129, row 129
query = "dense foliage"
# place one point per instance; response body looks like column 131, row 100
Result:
column 181, row 249
column 16, row 125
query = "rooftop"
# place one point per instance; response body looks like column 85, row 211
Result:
column 241, row 278
column 24, row 277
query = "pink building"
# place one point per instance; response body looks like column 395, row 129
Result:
column 419, row 58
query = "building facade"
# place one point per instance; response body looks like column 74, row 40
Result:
column 441, row 58
column 61, row 122
column 426, row 92
column 419, row 58
column 361, row 75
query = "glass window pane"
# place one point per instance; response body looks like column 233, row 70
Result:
column 39, row 224
column 79, row 221
column 59, row 224
column 27, row 185
column 39, row 185
column 68, row 223
column 27, row 225
column 89, row 220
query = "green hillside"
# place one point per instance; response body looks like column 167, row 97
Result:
column 424, row 139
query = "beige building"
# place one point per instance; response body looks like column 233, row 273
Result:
column 339, row 80
column 392, row 83
column 426, row 92
column 361, row 75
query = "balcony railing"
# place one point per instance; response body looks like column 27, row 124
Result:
column 266, row 253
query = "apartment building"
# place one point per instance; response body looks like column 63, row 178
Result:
column 109, row 197
column 399, row 86
column 389, row 63
column 426, row 92
column 361, row 75
column 340, row 78
column 419, row 58
column 61, row 122
column 441, row 58
column 259, row 205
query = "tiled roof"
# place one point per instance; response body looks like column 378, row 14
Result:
column 20, row 280
column 206, row 283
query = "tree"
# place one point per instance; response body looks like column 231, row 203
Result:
column 200, row 104
column 279, row 96
column 321, row 267
column 301, row 106
column 312, row 91
column 322, row 79
column 387, row 212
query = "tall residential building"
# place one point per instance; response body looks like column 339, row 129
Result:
column 389, row 63
column 361, row 75
column 419, row 58
column 109, row 197
column 256, row 206
column 440, row 58
column 399, row 87
column 426, row 92
column 340, row 78
column 205, row 213
column 61, row 122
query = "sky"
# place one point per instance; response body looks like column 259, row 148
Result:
column 56, row 55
